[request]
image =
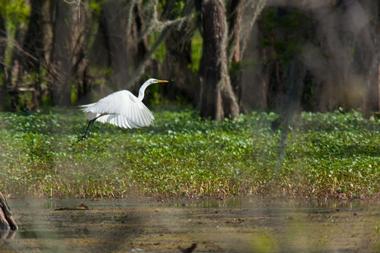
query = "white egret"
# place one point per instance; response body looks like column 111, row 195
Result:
column 122, row 109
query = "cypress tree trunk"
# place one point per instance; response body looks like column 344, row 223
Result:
column 177, row 62
column 234, row 29
column 33, row 43
column 372, row 102
column 61, row 53
column 127, row 50
column 234, row 49
column 69, row 51
column 37, row 45
column 3, row 90
column 138, row 44
column 218, row 99
column 178, row 57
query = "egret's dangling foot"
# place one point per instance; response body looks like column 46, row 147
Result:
column 86, row 131
column 122, row 109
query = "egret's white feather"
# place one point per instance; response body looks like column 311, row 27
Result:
column 121, row 109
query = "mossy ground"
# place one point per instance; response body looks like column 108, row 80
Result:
column 327, row 155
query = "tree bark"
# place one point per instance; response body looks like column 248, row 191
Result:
column 242, row 15
column 9, row 66
column 234, row 30
column 372, row 102
column 61, row 53
column 218, row 99
column 37, row 45
column 33, row 43
column 178, row 57
column 80, row 46
column 69, row 50
column 3, row 90
column 122, row 27
column 138, row 43
column 234, row 50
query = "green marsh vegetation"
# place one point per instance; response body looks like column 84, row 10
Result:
column 334, row 154
column 224, row 58
column 328, row 155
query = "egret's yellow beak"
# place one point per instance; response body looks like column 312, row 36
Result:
column 162, row 81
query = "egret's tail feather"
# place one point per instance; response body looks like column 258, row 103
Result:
column 86, row 106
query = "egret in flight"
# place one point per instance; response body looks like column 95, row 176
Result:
column 121, row 108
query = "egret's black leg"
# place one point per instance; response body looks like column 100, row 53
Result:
column 90, row 123
column 85, row 134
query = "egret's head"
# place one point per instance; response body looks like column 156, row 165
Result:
column 153, row 80
column 146, row 84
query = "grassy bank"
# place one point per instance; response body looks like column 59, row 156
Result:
column 327, row 155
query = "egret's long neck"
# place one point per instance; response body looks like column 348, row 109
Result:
column 142, row 91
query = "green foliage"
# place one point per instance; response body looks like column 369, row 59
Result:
column 160, row 53
column 95, row 6
column 196, row 51
column 16, row 12
column 328, row 155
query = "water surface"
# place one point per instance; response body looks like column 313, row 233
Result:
column 236, row 225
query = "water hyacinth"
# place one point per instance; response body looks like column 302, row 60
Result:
column 327, row 155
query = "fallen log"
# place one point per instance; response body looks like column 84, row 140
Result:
column 6, row 219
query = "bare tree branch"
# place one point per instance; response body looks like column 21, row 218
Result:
column 165, row 28
column 255, row 7
column 50, row 69
column 75, row 2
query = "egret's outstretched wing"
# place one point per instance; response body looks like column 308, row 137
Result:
column 121, row 109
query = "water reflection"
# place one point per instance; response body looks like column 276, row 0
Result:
column 6, row 234
column 235, row 225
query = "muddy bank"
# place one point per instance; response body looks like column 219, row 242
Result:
column 235, row 226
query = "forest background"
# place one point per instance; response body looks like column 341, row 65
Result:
column 223, row 57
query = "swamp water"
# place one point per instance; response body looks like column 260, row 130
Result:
column 238, row 225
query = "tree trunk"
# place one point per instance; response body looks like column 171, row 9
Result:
column 61, row 53
column 178, row 57
column 218, row 99
column 372, row 102
column 69, row 53
column 234, row 29
column 256, row 81
column 138, row 43
column 80, row 43
column 3, row 90
column 121, row 29
column 234, row 50
column 242, row 15
column 37, row 45
column 10, row 66
column 33, row 43
column 177, row 62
